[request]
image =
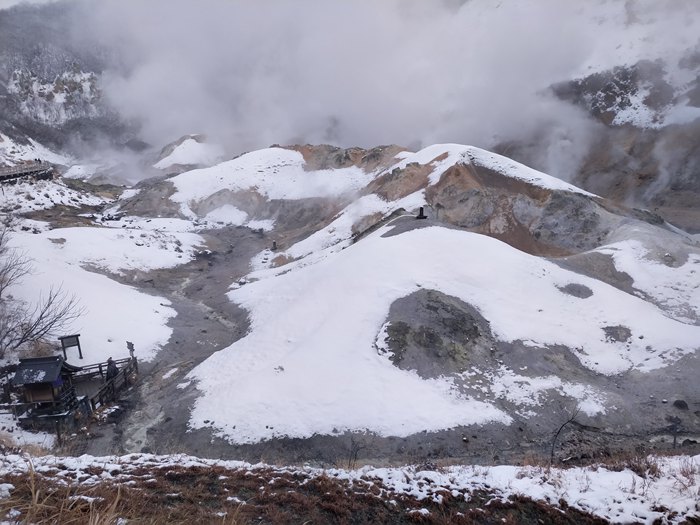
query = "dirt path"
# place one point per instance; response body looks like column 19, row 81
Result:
column 155, row 413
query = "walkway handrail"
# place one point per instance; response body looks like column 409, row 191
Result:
column 24, row 169
column 109, row 390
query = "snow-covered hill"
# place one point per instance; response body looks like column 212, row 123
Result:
column 189, row 151
column 311, row 363
column 533, row 299
column 519, row 298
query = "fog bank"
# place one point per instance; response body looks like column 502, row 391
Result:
column 362, row 72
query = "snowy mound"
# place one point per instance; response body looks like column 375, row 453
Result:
column 217, row 194
column 275, row 173
column 191, row 152
column 311, row 362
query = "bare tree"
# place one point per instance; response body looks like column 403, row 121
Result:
column 21, row 323
column 13, row 264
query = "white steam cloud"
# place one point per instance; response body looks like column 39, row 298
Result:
column 367, row 72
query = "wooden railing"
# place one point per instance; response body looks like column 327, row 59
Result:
column 89, row 372
column 25, row 170
column 111, row 388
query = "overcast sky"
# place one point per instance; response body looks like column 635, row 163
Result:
column 367, row 72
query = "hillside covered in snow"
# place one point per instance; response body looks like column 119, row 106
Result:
column 469, row 238
column 332, row 313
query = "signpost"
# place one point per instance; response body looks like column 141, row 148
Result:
column 69, row 341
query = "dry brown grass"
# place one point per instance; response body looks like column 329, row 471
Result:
column 8, row 445
column 204, row 494
column 153, row 494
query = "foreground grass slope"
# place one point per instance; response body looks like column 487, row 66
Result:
column 142, row 488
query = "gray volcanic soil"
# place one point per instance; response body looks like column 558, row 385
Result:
column 157, row 411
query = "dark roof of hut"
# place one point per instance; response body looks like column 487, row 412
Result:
column 37, row 370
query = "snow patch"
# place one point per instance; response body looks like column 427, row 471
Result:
column 227, row 214
column 192, row 153
column 81, row 171
column 529, row 391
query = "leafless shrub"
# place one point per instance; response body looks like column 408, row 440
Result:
column 685, row 478
column 642, row 465
column 556, row 435
column 21, row 323
column 14, row 264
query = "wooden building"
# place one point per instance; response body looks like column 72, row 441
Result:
column 47, row 384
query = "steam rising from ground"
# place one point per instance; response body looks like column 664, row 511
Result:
column 365, row 72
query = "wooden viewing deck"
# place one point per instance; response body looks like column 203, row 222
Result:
column 108, row 391
column 89, row 387
column 30, row 169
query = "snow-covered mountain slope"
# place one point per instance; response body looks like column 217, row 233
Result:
column 645, row 150
column 70, row 96
column 519, row 298
column 322, row 302
column 299, row 325
column 648, row 94
column 51, row 82
column 13, row 152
